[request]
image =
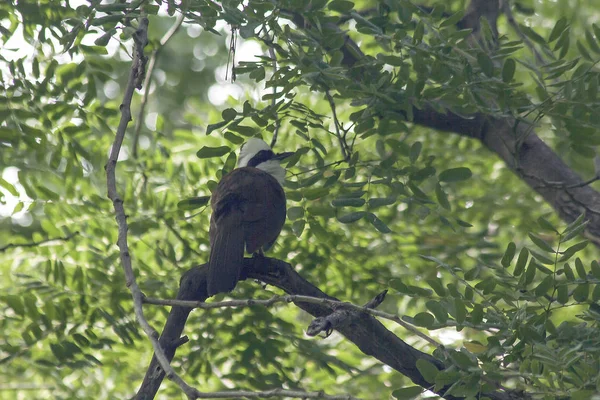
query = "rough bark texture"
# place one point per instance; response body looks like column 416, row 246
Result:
column 365, row 331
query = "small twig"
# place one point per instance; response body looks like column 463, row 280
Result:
column 238, row 394
column 136, row 75
column 336, row 122
column 557, row 185
column 513, row 23
column 183, row 241
column 148, row 81
column 273, row 100
column 33, row 244
column 291, row 299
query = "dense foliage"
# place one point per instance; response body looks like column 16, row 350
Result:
column 376, row 198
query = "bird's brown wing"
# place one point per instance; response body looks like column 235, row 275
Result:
column 250, row 202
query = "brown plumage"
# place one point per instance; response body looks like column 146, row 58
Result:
column 248, row 210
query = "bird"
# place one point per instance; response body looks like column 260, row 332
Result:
column 248, row 211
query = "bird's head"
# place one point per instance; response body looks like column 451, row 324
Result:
column 257, row 153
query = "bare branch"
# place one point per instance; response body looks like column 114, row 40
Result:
column 366, row 332
column 335, row 304
column 34, row 244
column 135, row 76
column 274, row 100
column 336, row 122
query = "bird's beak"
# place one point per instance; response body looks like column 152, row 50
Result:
column 282, row 156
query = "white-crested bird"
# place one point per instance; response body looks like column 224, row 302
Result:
column 248, row 211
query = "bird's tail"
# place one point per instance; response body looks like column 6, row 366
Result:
column 226, row 254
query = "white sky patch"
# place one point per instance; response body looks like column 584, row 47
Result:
column 447, row 336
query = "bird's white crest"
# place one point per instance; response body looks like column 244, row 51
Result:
column 250, row 149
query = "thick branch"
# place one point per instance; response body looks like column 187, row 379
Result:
column 366, row 332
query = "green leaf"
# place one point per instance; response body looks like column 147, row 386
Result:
column 531, row 34
column 559, row 27
column 582, row 394
column 460, row 310
column 508, row 70
column 544, row 286
column 407, row 393
column 294, row 213
column 218, row 125
column 419, row 31
column 235, row 139
column 298, row 227
column 486, row 64
column 575, row 231
column 229, row 114
column 442, row 198
column 540, row 243
column 427, row 369
column 379, row 224
column 348, row 202
column 572, row 250
column 351, row 217
column 595, row 269
column 381, row 201
column 477, row 314
column 243, row 130
column 562, row 294
column 462, row 360
column 596, row 294
column 569, row 272
column 581, row 292
column 452, row 20
column 105, row 38
column 580, row 269
column 530, row 272
column 455, row 174
column 15, row 303
column 543, row 222
column 415, row 150
column 341, row 6
column 210, row 152
column 438, row 310
column 437, row 285
column 424, row 319
column 592, row 42
column 9, row 187
column 509, row 254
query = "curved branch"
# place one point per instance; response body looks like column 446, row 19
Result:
column 136, row 75
column 366, row 332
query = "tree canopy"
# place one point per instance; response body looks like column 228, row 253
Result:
column 444, row 152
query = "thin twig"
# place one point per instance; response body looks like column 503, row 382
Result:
column 336, row 123
column 238, row 394
column 135, row 76
column 513, row 23
column 274, row 99
column 292, row 299
column 33, row 244
column 148, row 81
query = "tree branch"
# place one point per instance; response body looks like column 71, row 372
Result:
column 366, row 332
column 514, row 141
column 136, row 75
column 334, row 304
column 33, row 244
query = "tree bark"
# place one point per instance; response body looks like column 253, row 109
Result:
column 365, row 331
